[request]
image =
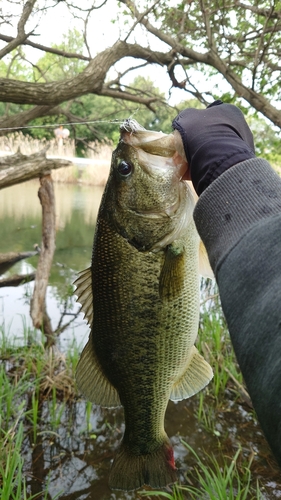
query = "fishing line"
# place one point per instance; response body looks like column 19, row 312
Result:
column 116, row 121
column 62, row 124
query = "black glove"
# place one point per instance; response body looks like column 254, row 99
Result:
column 214, row 139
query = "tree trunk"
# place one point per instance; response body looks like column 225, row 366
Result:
column 38, row 311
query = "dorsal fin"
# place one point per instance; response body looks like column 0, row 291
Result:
column 84, row 294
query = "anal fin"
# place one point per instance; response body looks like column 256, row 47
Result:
column 91, row 380
column 195, row 377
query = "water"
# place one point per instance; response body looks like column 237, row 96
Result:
column 73, row 458
column 20, row 230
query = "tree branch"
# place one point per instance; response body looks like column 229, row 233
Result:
column 120, row 94
column 16, row 279
column 20, row 168
column 261, row 12
column 211, row 58
column 44, row 48
column 21, row 119
column 21, row 36
column 90, row 80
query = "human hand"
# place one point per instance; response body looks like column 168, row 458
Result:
column 211, row 140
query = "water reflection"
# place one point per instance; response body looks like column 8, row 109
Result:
column 20, row 202
column 20, row 229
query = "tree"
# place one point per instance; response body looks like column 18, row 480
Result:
column 209, row 48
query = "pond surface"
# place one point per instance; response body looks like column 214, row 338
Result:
column 20, row 230
column 72, row 458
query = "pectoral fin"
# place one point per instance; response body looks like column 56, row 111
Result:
column 85, row 294
column 196, row 376
column 172, row 274
column 91, row 380
column 204, row 264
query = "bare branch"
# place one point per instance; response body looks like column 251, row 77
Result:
column 27, row 10
column 44, row 48
column 206, row 16
column 149, row 9
column 21, row 36
column 261, row 12
column 90, row 80
column 38, row 310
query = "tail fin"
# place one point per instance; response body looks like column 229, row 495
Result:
column 130, row 471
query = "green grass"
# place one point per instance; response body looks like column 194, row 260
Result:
column 214, row 343
column 11, row 463
column 213, row 481
column 29, row 375
column 220, row 481
column 37, row 391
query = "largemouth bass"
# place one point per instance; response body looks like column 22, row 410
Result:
column 141, row 299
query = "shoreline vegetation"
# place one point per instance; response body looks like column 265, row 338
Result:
column 91, row 169
column 46, row 427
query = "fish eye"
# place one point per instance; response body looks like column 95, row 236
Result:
column 125, row 168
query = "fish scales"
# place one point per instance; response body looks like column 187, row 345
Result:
column 145, row 290
column 146, row 331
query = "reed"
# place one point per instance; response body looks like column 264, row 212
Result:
column 95, row 172
column 27, row 145
column 11, row 476
column 66, row 175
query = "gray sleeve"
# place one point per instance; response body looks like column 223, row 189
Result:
column 239, row 219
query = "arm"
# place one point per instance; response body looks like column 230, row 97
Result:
column 238, row 217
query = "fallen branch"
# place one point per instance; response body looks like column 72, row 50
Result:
column 17, row 279
column 7, row 260
column 18, row 168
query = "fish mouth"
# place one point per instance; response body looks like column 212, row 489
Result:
column 155, row 148
column 155, row 165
